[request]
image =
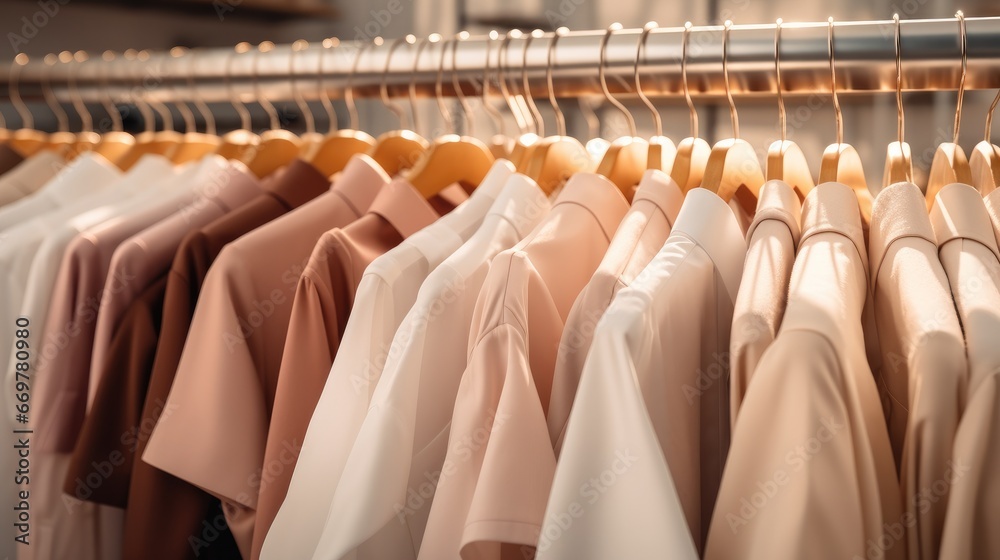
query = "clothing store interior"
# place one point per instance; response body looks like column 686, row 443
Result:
column 499, row 280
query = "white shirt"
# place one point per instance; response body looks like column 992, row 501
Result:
column 405, row 433
column 27, row 177
column 635, row 456
column 386, row 292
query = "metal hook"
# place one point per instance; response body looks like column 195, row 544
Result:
column 777, row 72
column 86, row 119
column 466, row 107
column 961, row 84
column 63, row 119
column 899, row 83
column 106, row 100
column 148, row 118
column 412, row 89
column 185, row 111
column 604, row 83
column 439, row 84
column 163, row 110
column 384, row 86
column 272, row 112
column 324, row 97
column 560, row 118
column 684, row 79
column 199, row 102
column 27, row 119
column 352, row 107
column 657, row 122
column 833, row 85
column 235, row 100
column 300, row 101
column 515, row 109
column 725, row 75
column 532, row 107
column 493, row 112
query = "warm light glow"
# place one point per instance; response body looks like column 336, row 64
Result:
column 65, row 56
column 434, row 37
column 300, row 45
column 81, row 56
column 51, row 59
column 108, row 56
column 21, row 59
column 265, row 46
column 242, row 47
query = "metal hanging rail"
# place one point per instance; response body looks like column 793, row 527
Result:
column 865, row 62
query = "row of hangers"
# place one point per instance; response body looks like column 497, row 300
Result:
column 730, row 168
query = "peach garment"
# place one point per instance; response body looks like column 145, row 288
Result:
column 647, row 436
column 641, row 234
column 967, row 245
column 760, row 304
column 357, row 300
column 401, row 439
column 924, row 367
column 492, row 493
column 23, row 185
column 810, row 471
column 227, row 376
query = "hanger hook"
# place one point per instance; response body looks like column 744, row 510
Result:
column 324, row 97
column 384, row 86
column 560, row 118
column 777, row 74
column 86, row 119
column 182, row 107
column 457, row 84
column 27, row 119
column 300, row 101
column 833, row 83
column 899, row 82
column 162, row 109
column 49, row 61
column 961, row 84
column 109, row 104
column 604, row 82
column 352, row 107
column 657, row 121
column 412, row 88
column 272, row 112
column 684, row 79
column 135, row 95
column 515, row 109
column 439, row 84
column 493, row 112
column 199, row 101
column 532, row 107
column 236, row 101
column 733, row 115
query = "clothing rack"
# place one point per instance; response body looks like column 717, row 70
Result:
column 865, row 58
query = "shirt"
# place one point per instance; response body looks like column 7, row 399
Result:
column 760, row 303
column 641, row 234
column 9, row 159
column 492, row 491
column 146, row 256
column 924, row 367
column 386, row 289
column 810, row 471
column 25, row 179
column 403, row 439
column 968, row 250
column 167, row 518
column 648, row 432
column 226, row 377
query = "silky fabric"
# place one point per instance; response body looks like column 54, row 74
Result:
column 401, row 445
column 9, row 159
column 647, row 435
column 642, row 232
column 146, row 256
column 167, row 518
column 490, row 504
column 771, row 241
column 810, row 472
column 24, row 180
column 967, row 246
column 924, row 367
column 239, row 293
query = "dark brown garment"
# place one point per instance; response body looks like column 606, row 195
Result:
column 9, row 158
column 165, row 517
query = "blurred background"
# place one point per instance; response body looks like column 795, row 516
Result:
column 869, row 120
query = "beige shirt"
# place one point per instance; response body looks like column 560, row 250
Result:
column 968, row 250
column 924, row 368
column 810, row 471
column 760, row 304
column 492, row 491
column 648, row 433
column 19, row 185
column 641, row 234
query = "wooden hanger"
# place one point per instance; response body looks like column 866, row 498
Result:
column 62, row 141
column 950, row 164
column 785, row 160
column 500, row 144
column 733, row 169
column 692, row 152
column 114, row 143
column 150, row 141
column 984, row 164
column 452, row 159
column 661, row 151
column 240, row 144
column 194, row 145
column 26, row 140
column 398, row 149
column 277, row 147
column 331, row 154
column 898, row 166
column 522, row 148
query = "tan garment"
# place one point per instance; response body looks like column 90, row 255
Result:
column 810, row 471
column 495, row 484
column 968, row 250
column 923, row 358
column 760, row 304
column 641, row 234
column 23, row 180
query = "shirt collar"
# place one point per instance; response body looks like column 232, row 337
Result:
column 298, row 183
column 597, row 195
column 708, row 221
column 660, row 189
column 230, row 187
column 88, row 173
column 522, row 203
column 898, row 211
column 959, row 212
column 778, row 201
column 403, row 207
column 360, row 182
column 833, row 207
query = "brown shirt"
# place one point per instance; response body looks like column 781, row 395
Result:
column 165, row 517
